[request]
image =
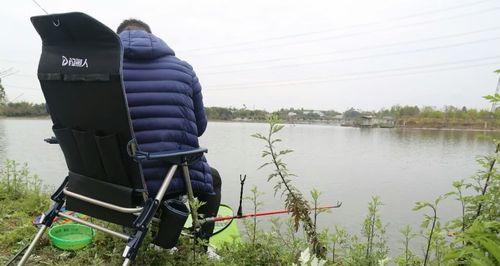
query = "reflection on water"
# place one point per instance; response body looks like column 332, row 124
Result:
column 346, row 164
column 468, row 137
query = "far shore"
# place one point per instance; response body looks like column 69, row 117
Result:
column 450, row 129
column 327, row 123
column 26, row 117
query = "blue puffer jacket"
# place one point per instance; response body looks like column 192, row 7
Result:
column 166, row 107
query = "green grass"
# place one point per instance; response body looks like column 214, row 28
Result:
column 22, row 199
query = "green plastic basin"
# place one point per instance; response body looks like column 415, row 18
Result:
column 71, row 236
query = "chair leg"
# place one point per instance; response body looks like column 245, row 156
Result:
column 58, row 198
column 32, row 245
column 189, row 188
column 133, row 245
column 126, row 262
column 142, row 222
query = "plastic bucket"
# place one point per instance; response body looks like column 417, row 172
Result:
column 71, row 236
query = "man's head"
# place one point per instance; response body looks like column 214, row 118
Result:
column 133, row 24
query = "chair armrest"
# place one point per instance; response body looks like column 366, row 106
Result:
column 174, row 157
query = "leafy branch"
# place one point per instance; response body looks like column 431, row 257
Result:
column 373, row 229
column 489, row 174
column 295, row 202
column 425, row 224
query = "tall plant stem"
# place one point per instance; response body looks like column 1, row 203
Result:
column 407, row 253
column 275, row 162
column 333, row 252
column 487, row 182
column 370, row 237
column 306, row 219
column 254, row 228
column 429, row 240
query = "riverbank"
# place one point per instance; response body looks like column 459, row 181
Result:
column 400, row 125
column 41, row 117
column 447, row 118
column 450, row 129
column 449, row 124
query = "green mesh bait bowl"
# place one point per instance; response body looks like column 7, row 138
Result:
column 71, row 236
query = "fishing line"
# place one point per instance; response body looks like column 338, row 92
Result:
column 278, row 86
column 362, row 48
column 330, row 77
column 337, row 28
column 349, row 35
column 40, row 6
column 345, row 77
column 56, row 23
column 348, row 59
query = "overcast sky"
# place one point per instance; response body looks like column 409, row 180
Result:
column 269, row 54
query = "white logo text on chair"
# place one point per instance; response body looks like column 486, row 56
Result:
column 74, row 62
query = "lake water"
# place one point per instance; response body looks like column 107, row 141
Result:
column 346, row 164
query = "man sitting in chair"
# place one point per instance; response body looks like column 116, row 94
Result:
column 167, row 112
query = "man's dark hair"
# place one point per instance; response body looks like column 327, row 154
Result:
column 133, row 24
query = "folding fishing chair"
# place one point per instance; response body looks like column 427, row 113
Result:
column 81, row 78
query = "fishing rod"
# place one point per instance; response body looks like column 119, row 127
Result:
column 266, row 213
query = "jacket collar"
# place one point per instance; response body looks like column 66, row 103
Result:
column 138, row 44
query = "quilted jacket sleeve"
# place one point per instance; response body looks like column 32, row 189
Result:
column 199, row 109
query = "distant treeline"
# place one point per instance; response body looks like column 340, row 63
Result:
column 399, row 116
column 448, row 112
column 403, row 116
column 448, row 117
column 231, row 113
column 19, row 109
column 396, row 112
column 23, row 109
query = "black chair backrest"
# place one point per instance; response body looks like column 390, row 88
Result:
column 80, row 75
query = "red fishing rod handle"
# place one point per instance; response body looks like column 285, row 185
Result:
column 258, row 214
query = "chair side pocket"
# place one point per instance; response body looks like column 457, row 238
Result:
column 90, row 154
column 69, row 148
column 111, row 158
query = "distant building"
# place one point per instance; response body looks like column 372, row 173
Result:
column 387, row 122
column 366, row 121
column 320, row 113
column 352, row 114
column 338, row 118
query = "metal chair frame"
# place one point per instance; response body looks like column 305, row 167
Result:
column 145, row 214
